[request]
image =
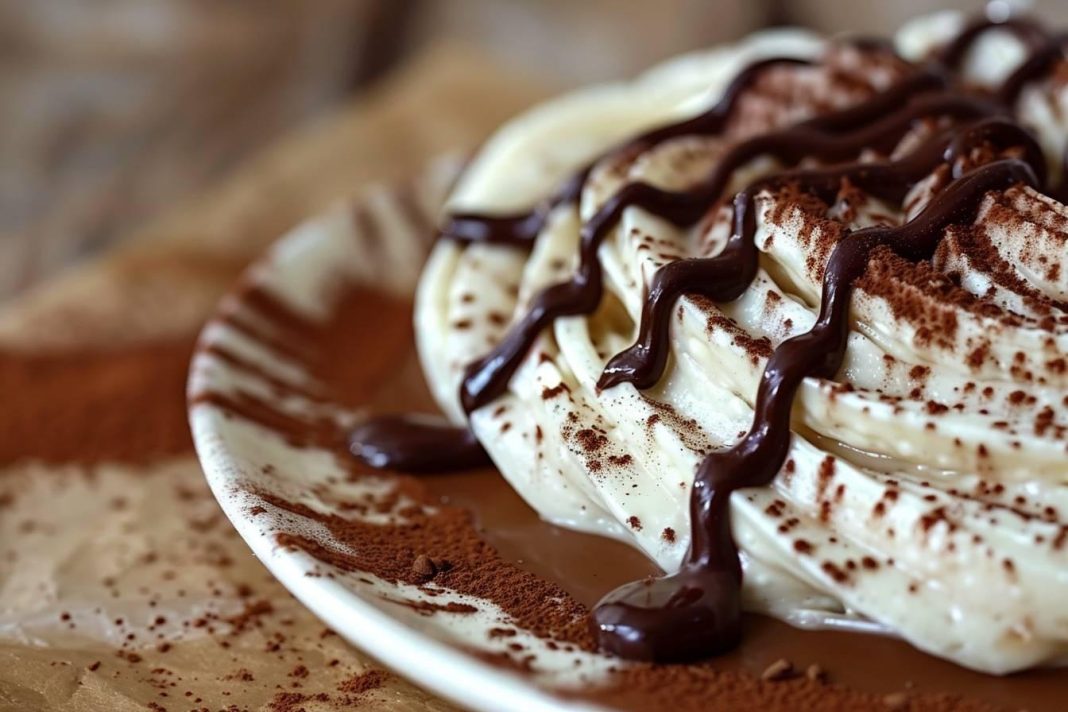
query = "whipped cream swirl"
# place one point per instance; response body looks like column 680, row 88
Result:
column 923, row 487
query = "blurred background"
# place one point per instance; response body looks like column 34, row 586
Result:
column 112, row 109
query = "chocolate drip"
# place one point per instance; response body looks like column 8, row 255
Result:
column 413, row 443
column 486, row 379
column 518, row 230
column 1045, row 50
column 1035, row 66
column 1031, row 33
column 695, row 612
column 521, row 229
column 726, row 276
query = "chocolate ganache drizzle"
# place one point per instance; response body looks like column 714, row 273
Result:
column 696, row 611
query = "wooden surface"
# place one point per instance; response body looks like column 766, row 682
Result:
column 112, row 111
column 109, row 111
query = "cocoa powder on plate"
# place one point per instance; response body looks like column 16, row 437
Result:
column 338, row 355
column 127, row 404
column 95, row 405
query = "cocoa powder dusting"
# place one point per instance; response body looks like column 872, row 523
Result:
column 364, row 682
column 449, row 534
column 703, row 688
column 925, row 298
column 404, row 552
column 127, row 404
column 98, row 405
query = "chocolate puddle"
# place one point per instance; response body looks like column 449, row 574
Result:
column 413, row 443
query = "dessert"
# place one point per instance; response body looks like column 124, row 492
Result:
column 790, row 318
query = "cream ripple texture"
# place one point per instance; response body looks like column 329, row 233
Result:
column 925, row 492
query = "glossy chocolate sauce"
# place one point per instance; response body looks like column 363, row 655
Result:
column 416, row 443
column 521, row 229
column 488, row 378
column 1031, row 33
column 696, row 612
column 585, row 566
column 717, row 277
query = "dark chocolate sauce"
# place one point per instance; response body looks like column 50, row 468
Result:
column 644, row 620
column 517, row 230
column 1038, row 64
column 726, row 276
column 1045, row 49
column 696, row 611
column 1028, row 31
column 416, row 443
column 487, row 378
column 521, row 229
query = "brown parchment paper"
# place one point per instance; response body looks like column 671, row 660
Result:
column 123, row 587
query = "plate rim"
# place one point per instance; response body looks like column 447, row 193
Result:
column 425, row 661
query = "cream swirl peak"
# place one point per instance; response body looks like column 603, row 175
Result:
column 844, row 404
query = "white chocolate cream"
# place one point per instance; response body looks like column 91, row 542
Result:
column 925, row 490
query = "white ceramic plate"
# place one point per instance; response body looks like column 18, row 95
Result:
column 235, row 453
